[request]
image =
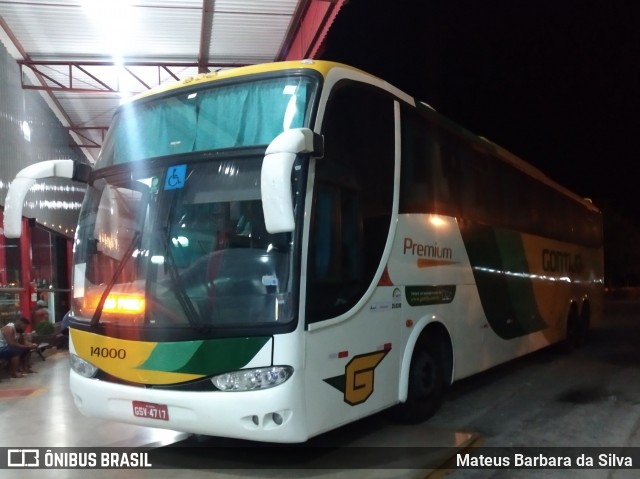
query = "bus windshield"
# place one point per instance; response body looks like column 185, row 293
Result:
column 182, row 245
column 231, row 115
column 167, row 238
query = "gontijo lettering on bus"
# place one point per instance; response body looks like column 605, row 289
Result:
column 561, row 262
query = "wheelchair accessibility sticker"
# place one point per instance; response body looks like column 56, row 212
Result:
column 175, row 177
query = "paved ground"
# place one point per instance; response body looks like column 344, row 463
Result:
column 548, row 399
column 590, row 397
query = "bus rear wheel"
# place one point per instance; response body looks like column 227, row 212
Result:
column 577, row 327
column 426, row 384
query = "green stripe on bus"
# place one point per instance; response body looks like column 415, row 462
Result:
column 208, row 357
column 514, row 260
column 502, row 278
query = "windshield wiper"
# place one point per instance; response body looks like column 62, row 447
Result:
column 183, row 298
column 95, row 319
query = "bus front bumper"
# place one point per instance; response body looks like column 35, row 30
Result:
column 270, row 415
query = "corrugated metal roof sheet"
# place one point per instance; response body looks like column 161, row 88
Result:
column 165, row 32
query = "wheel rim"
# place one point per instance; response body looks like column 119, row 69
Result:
column 425, row 377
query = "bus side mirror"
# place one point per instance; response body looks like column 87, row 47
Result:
column 275, row 177
column 26, row 178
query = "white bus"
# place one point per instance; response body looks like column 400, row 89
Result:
column 274, row 251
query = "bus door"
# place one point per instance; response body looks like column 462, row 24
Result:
column 352, row 324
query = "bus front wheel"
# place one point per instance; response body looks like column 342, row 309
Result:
column 426, row 384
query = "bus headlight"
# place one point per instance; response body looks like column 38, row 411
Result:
column 252, row 379
column 82, row 367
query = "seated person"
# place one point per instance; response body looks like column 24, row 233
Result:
column 62, row 338
column 41, row 313
column 64, row 326
column 25, row 358
column 12, row 349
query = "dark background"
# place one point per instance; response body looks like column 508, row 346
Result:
column 554, row 81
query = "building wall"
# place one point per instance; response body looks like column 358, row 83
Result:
column 36, row 266
column 29, row 133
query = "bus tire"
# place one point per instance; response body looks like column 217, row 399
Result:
column 577, row 327
column 426, row 384
column 585, row 319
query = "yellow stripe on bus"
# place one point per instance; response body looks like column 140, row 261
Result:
column 121, row 358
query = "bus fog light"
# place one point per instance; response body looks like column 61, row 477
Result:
column 82, row 367
column 277, row 418
column 252, row 379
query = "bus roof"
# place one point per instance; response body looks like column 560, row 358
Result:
column 321, row 66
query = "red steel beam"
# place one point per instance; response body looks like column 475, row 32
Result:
column 26, row 58
column 79, row 130
column 310, row 25
column 103, row 87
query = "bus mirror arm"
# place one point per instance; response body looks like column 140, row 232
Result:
column 275, row 177
column 26, row 178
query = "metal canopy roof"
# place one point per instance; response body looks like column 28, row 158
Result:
column 86, row 55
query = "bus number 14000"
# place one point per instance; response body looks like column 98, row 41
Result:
column 110, row 353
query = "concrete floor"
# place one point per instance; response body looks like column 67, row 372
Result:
column 38, row 411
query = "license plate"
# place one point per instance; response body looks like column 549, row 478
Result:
column 150, row 410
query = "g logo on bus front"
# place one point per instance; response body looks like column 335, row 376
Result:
column 357, row 383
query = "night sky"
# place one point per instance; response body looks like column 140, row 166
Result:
column 554, row 81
